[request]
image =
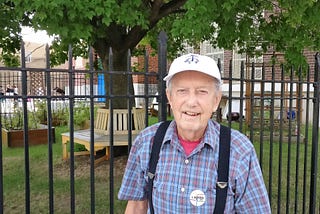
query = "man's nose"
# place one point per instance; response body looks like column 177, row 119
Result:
column 192, row 99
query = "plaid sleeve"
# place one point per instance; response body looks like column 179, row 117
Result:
column 251, row 193
column 133, row 183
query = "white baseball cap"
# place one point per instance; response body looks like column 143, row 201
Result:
column 194, row 62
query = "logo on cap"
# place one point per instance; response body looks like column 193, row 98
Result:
column 192, row 58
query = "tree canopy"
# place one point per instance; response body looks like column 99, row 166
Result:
column 9, row 33
column 288, row 26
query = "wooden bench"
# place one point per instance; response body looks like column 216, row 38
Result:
column 102, row 132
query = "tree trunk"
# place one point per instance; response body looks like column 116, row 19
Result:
column 121, row 84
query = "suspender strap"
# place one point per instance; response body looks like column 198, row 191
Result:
column 157, row 142
column 223, row 169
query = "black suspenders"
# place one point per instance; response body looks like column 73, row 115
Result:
column 223, row 169
column 223, row 165
column 157, row 142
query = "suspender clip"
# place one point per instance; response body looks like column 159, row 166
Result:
column 150, row 175
column 222, row 184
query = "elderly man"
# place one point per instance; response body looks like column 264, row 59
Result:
column 186, row 175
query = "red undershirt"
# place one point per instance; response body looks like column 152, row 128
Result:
column 188, row 146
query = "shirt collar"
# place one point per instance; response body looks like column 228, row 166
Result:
column 211, row 135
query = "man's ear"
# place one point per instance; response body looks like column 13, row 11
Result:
column 217, row 100
column 168, row 96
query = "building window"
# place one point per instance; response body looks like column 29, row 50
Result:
column 215, row 53
column 258, row 62
column 188, row 49
column 28, row 57
column 236, row 63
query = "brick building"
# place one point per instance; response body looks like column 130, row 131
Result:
column 138, row 64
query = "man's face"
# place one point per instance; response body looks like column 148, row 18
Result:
column 193, row 97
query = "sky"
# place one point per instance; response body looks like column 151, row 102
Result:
column 29, row 35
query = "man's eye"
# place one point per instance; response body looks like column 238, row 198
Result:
column 203, row 92
column 181, row 90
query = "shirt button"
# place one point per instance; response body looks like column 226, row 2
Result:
column 186, row 161
column 183, row 189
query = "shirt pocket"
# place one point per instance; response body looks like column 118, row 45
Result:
column 229, row 206
column 163, row 195
column 201, row 197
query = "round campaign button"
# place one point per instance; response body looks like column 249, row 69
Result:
column 197, row 198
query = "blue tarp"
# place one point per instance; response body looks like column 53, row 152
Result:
column 101, row 88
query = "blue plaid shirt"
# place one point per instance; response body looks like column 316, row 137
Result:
column 179, row 177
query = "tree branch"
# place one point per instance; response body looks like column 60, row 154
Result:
column 158, row 11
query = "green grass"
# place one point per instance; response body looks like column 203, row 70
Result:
column 14, row 177
column 278, row 177
column 14, row 181
column 286, row 167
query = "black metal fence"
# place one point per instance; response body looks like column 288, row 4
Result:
column 278, row 109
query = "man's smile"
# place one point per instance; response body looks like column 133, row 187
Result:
column 191, row 113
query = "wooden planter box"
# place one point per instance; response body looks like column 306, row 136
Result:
column 14, row 138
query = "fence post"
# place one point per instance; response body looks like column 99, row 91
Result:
column 315, row 135
column 162, row 65
column 25, row 128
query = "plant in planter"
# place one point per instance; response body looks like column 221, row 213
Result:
column 13, row 132
column 82, row 115
column 60, row 115
column 14, row 121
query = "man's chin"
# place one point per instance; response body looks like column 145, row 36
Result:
column 190, row 126
column 191, row 119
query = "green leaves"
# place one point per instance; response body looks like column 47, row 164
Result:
column 9, row 34
column 290, row 26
